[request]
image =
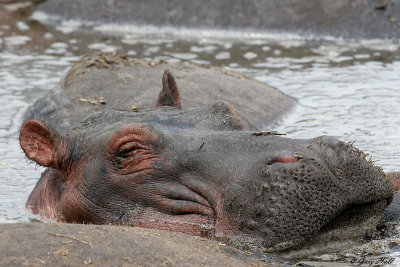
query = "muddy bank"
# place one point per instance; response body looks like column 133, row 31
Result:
column 49, row 244
column 17, row 30
column 11, row 10
column 311, row 18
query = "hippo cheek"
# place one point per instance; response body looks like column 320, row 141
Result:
column 45, row 197
column 167, row 205
column 72, row 204
column 85, row 196
column 70, row 207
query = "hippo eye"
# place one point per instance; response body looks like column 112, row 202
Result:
column 130, row 149
column 131, row 144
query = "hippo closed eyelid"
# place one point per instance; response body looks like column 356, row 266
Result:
column 131, row 137
column 130, row 147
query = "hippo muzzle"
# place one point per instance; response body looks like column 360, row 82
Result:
column 286, row 193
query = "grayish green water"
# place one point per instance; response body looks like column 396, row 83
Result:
column 348, row 90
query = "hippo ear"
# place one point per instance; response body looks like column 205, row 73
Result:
column 38, row 142
column 169, row 95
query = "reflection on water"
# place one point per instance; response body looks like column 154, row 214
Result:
column 348, row 90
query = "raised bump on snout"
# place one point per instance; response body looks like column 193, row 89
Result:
column 227, row 113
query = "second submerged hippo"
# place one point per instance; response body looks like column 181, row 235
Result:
column 195, row 170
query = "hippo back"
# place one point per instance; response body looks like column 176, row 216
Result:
column 113, row 81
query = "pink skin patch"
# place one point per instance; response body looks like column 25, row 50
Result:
column 394, row 178
column 286, row 159
column 45, row 197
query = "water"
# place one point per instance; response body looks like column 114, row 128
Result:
column 350, row 90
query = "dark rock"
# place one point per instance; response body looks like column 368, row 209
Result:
column 49, row 244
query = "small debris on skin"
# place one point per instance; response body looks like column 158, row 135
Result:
column 134, row 108
column 267, row 133
column 381, row 5
column 88, row 262
column 96, row 101
column 201, row 146
column 39, row 260
column 61, row 252
column 155, row 63
column 127, row 259
column 152, row 63
column 70, row 237
column 105, row 60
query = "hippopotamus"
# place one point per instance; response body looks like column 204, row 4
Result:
column 361, row 19
column 180, row 162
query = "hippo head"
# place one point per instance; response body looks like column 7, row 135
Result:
column 196, row 171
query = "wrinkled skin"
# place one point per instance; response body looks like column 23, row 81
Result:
column 198, row 172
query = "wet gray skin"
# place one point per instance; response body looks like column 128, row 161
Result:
column 340, row 18
column 101, row 81
column 196, row 171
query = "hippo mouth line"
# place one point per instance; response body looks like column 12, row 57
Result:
column 356, row 220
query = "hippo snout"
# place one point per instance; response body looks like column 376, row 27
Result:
column 317, row 188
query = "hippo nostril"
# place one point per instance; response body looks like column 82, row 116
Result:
column 284, row 159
